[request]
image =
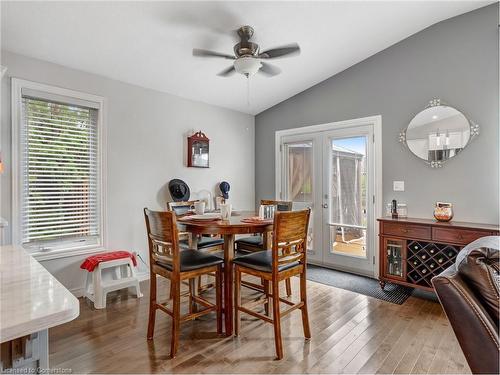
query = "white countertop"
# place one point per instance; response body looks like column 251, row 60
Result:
column 31, row 299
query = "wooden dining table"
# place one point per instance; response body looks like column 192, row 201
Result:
column 228, row 229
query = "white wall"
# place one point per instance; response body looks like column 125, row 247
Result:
column 146, row 147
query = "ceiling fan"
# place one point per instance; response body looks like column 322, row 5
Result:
column 247, row 57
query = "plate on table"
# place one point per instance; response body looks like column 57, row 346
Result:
column 257, row 220
column 211, row 216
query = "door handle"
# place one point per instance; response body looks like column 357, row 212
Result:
column 325, row 205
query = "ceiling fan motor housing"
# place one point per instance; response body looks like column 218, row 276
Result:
column 246, row 49
column 247, row 65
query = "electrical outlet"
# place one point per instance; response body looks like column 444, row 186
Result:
column 398, row 185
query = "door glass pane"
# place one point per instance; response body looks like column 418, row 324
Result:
column 300, row 167
column 348, row 196
column 299, row 178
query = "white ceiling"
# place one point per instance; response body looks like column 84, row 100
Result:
column 149, row 43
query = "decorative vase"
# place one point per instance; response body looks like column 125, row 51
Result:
column 443, row 211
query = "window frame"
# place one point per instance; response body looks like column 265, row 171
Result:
column 62, row 250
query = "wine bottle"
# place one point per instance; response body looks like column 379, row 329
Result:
column 394, row 209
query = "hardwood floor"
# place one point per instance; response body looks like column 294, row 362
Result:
column 351, row 333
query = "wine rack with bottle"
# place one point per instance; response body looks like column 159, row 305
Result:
column 413, row 251
column 426, row 260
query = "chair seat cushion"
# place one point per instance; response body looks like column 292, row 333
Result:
column 252, row 241
column 261, row 261
column 193, row 260
column 203, row 242
column 220, row 254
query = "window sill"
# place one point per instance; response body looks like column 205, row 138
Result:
column 65, row 253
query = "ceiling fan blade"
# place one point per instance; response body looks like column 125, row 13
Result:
column 288, row 50
column 269, row 70
column 227, row 72
column 206, row 53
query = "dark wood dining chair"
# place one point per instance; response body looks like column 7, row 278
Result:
column 182, row 207
column 207, row 243
column 166, row 260
column 256, row 242
column 287, row 258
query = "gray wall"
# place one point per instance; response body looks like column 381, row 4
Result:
column 455, row 60
column 146, row 147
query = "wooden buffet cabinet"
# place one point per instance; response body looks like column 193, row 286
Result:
column 413, row 251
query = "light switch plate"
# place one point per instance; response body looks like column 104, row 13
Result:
column 398, row 185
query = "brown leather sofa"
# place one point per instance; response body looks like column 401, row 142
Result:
column 469, row 294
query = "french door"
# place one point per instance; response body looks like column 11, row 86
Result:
column 332, row 170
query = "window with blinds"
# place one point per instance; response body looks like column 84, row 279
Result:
column 59, row 172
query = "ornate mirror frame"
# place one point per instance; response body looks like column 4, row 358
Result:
column 474, row 131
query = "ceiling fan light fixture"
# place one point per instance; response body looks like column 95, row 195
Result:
column 247, row 58
column 247, row 65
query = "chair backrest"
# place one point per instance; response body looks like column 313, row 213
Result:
column 280, row 205
column 290, row 237
column 162, row 238
column 180, row 208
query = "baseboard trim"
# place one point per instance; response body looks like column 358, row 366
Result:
column 79, row 292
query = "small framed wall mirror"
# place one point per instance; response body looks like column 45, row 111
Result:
column 198, row 150
column 438, row 133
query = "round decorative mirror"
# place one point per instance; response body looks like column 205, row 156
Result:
column 438, row 133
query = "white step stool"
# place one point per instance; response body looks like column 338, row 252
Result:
column 110, row 276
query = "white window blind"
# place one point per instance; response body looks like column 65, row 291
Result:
column 59, row 164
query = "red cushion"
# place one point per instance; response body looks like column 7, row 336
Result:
column 91, row 262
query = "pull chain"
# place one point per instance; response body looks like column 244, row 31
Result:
column 248, row 91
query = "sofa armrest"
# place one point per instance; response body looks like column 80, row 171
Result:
column 476, row 332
